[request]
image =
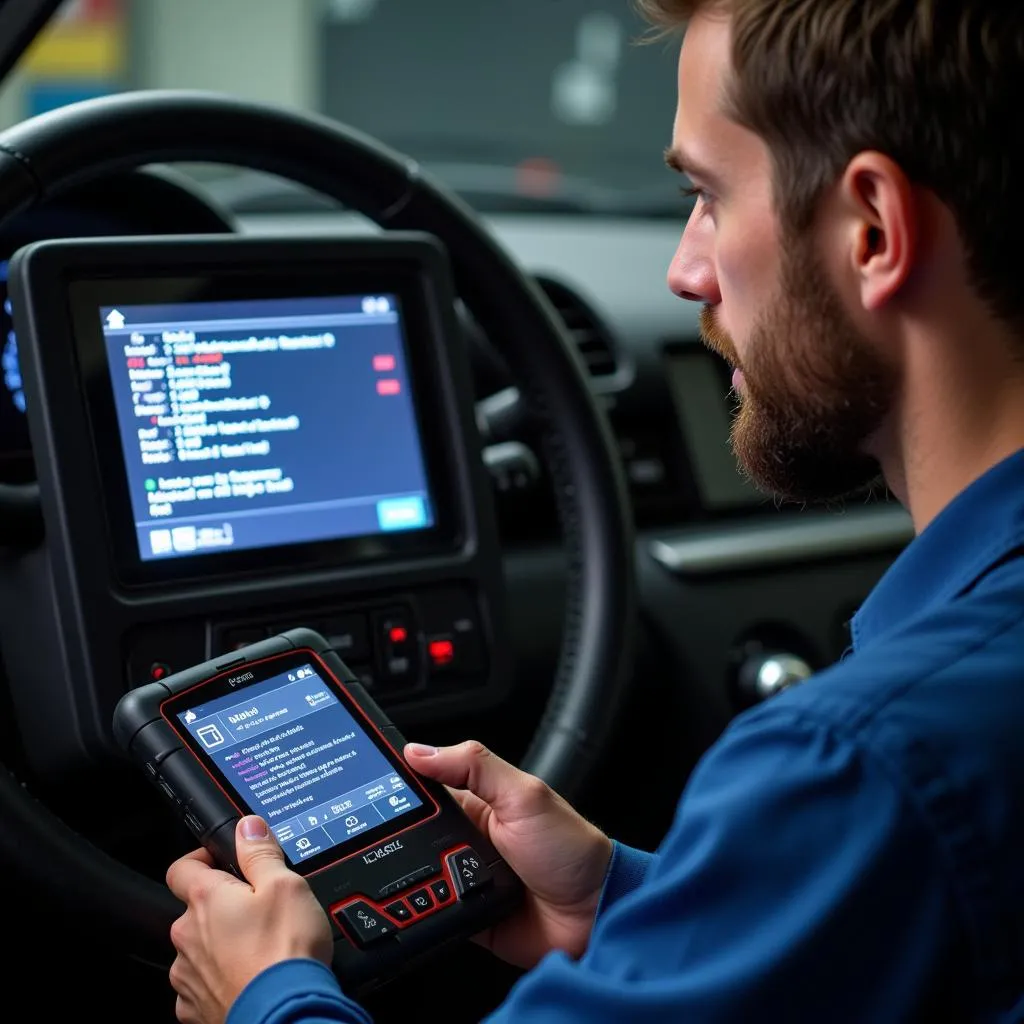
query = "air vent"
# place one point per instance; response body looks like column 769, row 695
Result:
column 587, row 329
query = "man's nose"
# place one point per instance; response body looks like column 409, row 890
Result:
column 691, row 274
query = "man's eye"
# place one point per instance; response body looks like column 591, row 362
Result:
column 695, row 193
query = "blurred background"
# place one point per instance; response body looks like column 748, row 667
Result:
column 536, row 104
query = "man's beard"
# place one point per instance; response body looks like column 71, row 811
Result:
column 814, row 391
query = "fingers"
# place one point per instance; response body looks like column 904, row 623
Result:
column 180, row 977
column 184, row 1011
column 472, row 806
column 179, row 931
column 191, row 874
column 260, row 857
column 473, row 767
column 202, row 855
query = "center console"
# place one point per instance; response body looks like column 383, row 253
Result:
column 234, row 438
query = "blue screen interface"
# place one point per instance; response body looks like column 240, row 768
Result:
column 268, row 422
column 295, row 755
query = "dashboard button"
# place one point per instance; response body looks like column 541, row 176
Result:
column 441, row 651
column 365, row 924
column 394, row 637
column 243, row 636
column 347, row 635
column 455, row 634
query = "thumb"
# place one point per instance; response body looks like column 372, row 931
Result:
column 471, row 766
column 260, row 857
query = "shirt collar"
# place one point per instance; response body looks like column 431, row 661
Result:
column 977, row 529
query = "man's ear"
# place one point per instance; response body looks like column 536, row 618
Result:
column 881, row 209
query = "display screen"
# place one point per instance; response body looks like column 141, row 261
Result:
column 14, row 439
column 289, row 750
column 265, row 422
column 699, row 384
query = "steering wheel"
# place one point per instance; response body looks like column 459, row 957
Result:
column 44, row 155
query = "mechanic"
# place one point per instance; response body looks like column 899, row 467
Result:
column 853, row 849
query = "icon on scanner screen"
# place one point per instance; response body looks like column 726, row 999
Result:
column 210, row 735
column 160, row 541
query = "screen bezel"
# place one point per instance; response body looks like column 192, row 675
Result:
column 262, row 670
column 405, row 278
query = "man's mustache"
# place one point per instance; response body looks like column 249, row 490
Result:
column 715, row 338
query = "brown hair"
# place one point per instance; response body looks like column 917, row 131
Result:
column 937, row 85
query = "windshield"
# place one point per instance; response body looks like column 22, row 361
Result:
column 545, row 104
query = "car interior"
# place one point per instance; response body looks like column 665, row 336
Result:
column 576, row 573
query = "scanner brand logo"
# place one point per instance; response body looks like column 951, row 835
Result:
column 244, row 677
column 382, row 851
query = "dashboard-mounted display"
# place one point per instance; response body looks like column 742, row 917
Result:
column 250, row 411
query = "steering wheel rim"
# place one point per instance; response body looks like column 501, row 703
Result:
column 49, row 153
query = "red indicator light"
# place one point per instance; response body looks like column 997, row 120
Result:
column 158, row 670
column 538, row 176
column 383, row 363
column 442, row 652
column 398, row 634
column 389, row 386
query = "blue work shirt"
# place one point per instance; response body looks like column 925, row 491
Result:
column 851, row 850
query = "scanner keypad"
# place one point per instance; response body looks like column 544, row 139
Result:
column 367, row 920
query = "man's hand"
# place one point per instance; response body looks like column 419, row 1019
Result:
column 558, row 854
column 232, row 929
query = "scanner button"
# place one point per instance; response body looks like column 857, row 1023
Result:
column 167, row 791
column 154, row 743
column 421, row 901
column 194, row 825
column 442, row 891
column 399, row 911
column 407, row 881
column 365, row 924
column 468, row 870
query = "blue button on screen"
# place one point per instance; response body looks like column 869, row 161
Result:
column 402, row 513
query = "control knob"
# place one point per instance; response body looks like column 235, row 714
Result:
column 767, row 673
